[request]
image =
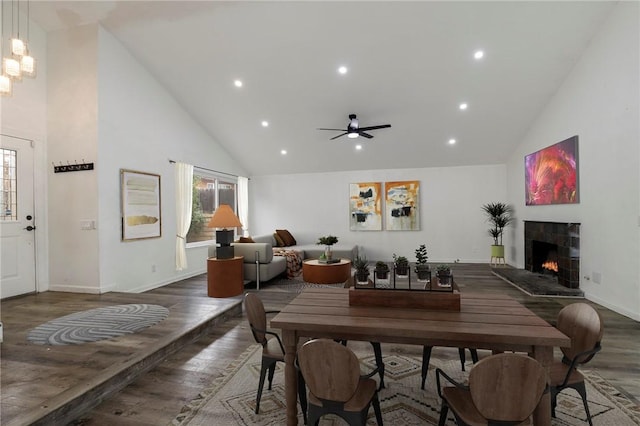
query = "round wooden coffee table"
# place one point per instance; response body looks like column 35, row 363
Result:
column 326, row 273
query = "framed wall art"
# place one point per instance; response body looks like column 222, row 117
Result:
column 140, row 205
column 551, row 174
column 365, row 206
column 402, row 212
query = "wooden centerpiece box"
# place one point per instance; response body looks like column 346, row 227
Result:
column 428, row 296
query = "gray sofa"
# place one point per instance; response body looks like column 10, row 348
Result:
column 261, row 265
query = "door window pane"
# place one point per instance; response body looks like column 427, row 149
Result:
column 9, row 200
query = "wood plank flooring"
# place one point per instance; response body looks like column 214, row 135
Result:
column 157, row 396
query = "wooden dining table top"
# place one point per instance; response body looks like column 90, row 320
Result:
column 485, row 321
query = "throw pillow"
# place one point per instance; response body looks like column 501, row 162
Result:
column 286, row 237
column 279, row 242
column 246, row 240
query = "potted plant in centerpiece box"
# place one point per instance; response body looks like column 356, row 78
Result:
column 443, row 272
column 499, row 215
column 327, row 241
column 401, row 264
column 362, row 269
column 382, row 270
column 422, row 269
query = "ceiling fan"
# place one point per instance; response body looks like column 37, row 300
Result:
column 353, row 129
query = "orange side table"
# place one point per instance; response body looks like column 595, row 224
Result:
column 225, row 277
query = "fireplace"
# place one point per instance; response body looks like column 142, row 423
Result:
column 553, row 248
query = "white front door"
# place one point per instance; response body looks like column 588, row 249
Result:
column 17, row 221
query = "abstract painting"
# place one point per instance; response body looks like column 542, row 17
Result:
column 551, row 174
column 402, row 205
column 140, row 205
column 365, row 206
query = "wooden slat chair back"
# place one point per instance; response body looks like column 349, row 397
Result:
column 257, row 317
column 503, row 389
column 583, row 324
column 332, row 373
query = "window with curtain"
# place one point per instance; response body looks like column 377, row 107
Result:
column 209, row 191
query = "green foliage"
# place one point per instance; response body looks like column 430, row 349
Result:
column 382, row 266
column 361, row 264
column 328, row 240
column 443, row 268
column 197, row 216
column 499, row 215
column 421, row 255
column 400, row 260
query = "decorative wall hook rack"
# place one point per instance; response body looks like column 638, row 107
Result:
column 76, row 167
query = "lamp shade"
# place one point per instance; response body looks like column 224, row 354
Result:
column 224, row 217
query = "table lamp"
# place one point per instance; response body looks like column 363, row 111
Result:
column 224, row 217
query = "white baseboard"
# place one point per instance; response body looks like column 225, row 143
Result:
column 633, row 315
column 173, row 279
column 75, row 289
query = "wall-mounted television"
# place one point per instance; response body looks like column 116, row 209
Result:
column 551, row 174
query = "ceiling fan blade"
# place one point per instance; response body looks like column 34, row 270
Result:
column 382, row 126
column 366, row 135
column 336, row 137
column 335, row 130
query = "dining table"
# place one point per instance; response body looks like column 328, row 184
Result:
column 492, row 321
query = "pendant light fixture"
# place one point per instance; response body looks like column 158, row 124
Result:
column 27, row 62
column 6, row 85
column 18, row 62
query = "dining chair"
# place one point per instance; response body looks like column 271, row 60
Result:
column 503, row 389
column 272, row 348
column 583, row 324
column 426, row 358
column 332, row 373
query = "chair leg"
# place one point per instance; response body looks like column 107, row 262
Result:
column 426, row 357
column 302, row 395
column 463, row 357
column 377, row 350
column 474, row 355
column 272, row 370
column 263, row 373
column 582, row 390
column 376, row 409
column 444, row 410
column 554, row 400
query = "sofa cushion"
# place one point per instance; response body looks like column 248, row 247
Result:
column 245, row 240
column 286, row 237
column 279, row 240
column 263, row 251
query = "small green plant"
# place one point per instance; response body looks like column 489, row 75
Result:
column 421, row 255
column 328, row 240
column 361, row 263
column 382, row 266
column 499, row 215
column 443, row 268
column 402, row 264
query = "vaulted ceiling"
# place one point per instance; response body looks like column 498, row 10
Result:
column 409, row 64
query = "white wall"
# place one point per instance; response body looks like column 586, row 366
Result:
column 72, row 137
column 599, row 101
column 141, row 127
column 452, row 222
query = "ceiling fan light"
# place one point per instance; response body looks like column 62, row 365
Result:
column 6, row 88
column 353, row 135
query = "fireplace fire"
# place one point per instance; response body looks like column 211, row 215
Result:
column 550, row 265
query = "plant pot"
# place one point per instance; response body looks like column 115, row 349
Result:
column 402, row 270
column 497, row 251
column 382, row 275
column 362, row 277
column 328, row 253
column 444, row 279
column 423, row 272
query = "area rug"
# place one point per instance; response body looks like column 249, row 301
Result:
column 230, row 399
column 97, row 324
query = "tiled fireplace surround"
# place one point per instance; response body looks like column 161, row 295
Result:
column 567, row 237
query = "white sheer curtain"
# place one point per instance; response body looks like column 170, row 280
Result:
column 184, row 196
column 243, row 203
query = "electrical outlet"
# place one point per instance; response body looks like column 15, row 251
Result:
column 1, row 333
column 596, row 277
column 153, row 268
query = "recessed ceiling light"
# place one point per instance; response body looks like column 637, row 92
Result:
column 237, row 83
column 283, row 152
column 452, row 141
column 265, row 123
column 358, row 147
column 343, row 70
column 478, row 54
column 463, row 106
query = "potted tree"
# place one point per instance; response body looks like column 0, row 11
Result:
column 443, row 272
column 382, row 270
column 327, row 241
column 499, row 215
column 362, row 269
column 422, row 269
column 401, row 264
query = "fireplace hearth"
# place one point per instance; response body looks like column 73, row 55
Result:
column 553, row 248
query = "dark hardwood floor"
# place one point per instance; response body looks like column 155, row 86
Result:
column 157, row 396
